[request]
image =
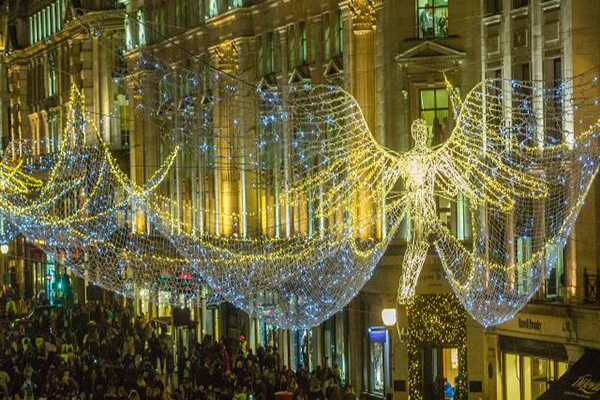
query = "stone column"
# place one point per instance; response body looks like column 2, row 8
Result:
column 136, row 155
column 225, row 57
column 363, row 87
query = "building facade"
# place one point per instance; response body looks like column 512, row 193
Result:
column 389, row 54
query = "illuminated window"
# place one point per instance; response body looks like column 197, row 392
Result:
column 213, row 8
column 326, row 37
column 31, row 37
column 303, row 43
column 432, row 18
column 433, row 107
column 141, row 28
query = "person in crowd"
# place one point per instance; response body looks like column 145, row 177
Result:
column 101, row 351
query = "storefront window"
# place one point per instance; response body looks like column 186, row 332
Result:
column 377, row 363
column 527, row 378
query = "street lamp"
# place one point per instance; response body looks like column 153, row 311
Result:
column 4, row 248
column 388, row 315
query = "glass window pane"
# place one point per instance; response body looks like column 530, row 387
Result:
column 423, row 3
column 441, row 21
column 429, row 117
column 441, row 98
column 441, row 3
column 427, row 99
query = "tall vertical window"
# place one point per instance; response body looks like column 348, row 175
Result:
column 554, row 119
column 213, row 8
column 291, row 47
column 235, row 4
column 433, row 107
column 51, row 79
column 270, row 53
column 313, row 41
column 326, row 37
column 432, row 18
column 303, row 43
column 31, row 37
column 141, row 28
column 339, row 33
column 59, row 13
column 181, row 13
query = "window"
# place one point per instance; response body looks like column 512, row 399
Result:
column 204, row 7
column 234, row 4
column 141, row 28
column 339, row 33
column 270, row 53
column 493, row 6
column 291, row 47
column 554, row 99
column 326, row 37
column 527, row 377
column 303, row 43
column 433, row 107
column 520, row 3
column 213, row 8
column 181, row 13
column 432, row 18
column 31, row 37
column 51, row 79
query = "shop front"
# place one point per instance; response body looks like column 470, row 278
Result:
column 529, row 367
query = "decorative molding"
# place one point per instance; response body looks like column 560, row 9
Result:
column 363, row 16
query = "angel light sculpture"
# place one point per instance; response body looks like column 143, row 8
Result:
column 525, row 155
column 293, row 200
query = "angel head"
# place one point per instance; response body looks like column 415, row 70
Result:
column 418, row 131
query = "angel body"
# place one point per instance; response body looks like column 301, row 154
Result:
column 419, row 172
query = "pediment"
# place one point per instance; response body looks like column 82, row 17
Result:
column 428, row 50
column 333, row 68
column 267, row 82
column 299, row 75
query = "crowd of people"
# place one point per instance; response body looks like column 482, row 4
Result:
column 104, row 351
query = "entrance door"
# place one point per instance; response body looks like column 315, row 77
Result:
column 439, row 372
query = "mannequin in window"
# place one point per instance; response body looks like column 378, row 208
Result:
column 426, row 21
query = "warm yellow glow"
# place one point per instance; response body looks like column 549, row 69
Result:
column 4, row 248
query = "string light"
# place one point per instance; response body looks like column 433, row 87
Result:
column 436, row 320
column 285, row 204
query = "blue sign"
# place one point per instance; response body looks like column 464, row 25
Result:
column 377, row 334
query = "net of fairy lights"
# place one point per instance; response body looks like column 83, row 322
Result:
column 528, row 153
column 280, row 201
column 274, row 199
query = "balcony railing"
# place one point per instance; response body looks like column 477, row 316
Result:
column 591, row 288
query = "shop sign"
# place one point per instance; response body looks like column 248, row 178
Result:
column 585, row 387
column 528, row 323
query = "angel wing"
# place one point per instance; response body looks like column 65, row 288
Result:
column 546, row 134
column 483, row 158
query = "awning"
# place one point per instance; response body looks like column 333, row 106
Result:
column 580, row 382
column 534, row 348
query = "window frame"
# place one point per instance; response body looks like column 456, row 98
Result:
column 435, row 7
